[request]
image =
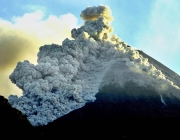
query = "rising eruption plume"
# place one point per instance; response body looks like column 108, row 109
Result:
column 68, row 76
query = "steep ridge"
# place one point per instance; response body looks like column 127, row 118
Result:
column 13, row 122
column 94, row 82
column 165, row 70
column 68, row 76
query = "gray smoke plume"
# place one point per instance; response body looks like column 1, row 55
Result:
column 93, row 13
column 67, row 76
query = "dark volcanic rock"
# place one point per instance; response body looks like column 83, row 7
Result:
column 116, row 113
column 12, row 123
column 119, row 114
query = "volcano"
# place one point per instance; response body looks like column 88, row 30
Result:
column 94, row 85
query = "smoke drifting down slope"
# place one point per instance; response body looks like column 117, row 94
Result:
column 68, row 76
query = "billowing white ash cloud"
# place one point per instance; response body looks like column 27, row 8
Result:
column 68, row 76
column 93, row 13
column 21, row 37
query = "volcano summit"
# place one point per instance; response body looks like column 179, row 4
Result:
column 93, row 80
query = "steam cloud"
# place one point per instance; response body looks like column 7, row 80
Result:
column 21, row 40
column 67, row 76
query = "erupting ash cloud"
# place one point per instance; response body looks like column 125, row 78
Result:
column 67, row 76
column 93, row 13
column 21, row 40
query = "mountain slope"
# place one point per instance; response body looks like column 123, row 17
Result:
column 94, row 82
column 165, row 70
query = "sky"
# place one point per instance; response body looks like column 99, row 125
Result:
column 152, row 26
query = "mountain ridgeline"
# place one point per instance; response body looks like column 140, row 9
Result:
column 93, row 85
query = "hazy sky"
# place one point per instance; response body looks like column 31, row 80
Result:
column 150, row 25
